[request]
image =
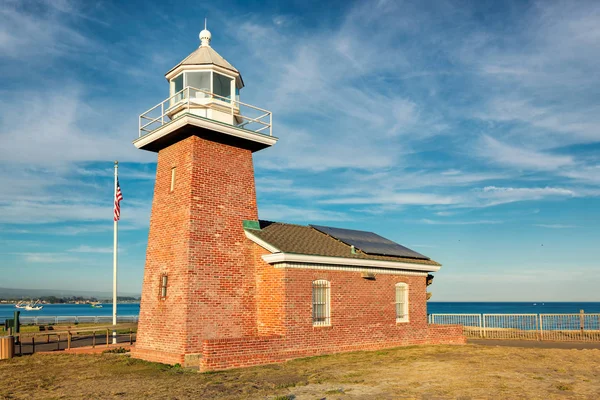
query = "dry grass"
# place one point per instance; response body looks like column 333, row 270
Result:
column 427, row 372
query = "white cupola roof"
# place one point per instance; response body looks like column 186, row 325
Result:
column 205, row 55
column 204, row 100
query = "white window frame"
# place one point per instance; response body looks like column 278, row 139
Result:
column 401, row 302
column 234, row 95
column 324, row 299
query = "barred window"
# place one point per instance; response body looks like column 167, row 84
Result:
column 321, row 303
column 401, row 302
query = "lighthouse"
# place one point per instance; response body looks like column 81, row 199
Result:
column 223, row 289
column 198, row 278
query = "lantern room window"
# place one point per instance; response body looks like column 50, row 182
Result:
column 205, row 81
column 222, row 86
column 176, row 86
column 198, row 80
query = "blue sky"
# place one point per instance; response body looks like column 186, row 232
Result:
column 466, row 130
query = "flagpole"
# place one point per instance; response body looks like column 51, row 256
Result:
column 116, row 226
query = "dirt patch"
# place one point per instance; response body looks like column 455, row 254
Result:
column 424, row 372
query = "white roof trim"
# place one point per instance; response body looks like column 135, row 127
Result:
column 355, row 262
column 202, row 68
column 203, row 123
column 261, row 242
column 330, row 267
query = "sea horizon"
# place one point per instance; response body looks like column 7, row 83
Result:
column 433, row 307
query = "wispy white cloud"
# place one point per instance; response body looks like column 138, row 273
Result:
column 445, row 213
column 556, row 226
column 492, row 195
column 519, row 157
column 38, row 30
column 58, row 137
column 44, row 258
column 278, row 212
column 396, row 198
column 425, row 246
column 589, row 175
column 91, row 249
column 476, row 222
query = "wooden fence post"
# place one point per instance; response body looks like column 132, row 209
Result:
column 93, row 339
column 581, row 321
column 69, row 340
column 32, row 344
column 106, row 337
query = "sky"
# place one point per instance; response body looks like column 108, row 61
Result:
column 468, row 131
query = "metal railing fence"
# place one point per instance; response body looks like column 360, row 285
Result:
column 580, row 327
column 253, row 118
column 471, row 323
column 45, row 320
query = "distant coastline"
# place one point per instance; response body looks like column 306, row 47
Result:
column 70, row 300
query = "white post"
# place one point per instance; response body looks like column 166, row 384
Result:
column 116, row 226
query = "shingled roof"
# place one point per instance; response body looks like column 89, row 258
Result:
column 300, row 239
column 206, row 55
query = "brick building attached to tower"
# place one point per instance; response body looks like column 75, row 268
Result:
column 222, row 289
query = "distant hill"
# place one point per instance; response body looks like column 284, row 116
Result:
column 29, row 293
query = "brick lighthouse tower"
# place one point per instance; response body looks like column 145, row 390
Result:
column 198, row 280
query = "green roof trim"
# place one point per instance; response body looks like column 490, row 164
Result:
column 249, row 224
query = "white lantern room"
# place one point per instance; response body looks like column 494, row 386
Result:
column 204, row 100
column 208, row 82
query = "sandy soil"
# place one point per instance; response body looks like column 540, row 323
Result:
column 425, row 372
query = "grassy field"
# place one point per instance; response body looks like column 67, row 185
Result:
column 426, row 372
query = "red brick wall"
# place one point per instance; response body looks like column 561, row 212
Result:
column 270, row 290
column 363, row 317
column 196, row 238
column 362, row 311
column 167, row 252
column 224, row 303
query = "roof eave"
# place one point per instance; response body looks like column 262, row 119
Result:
column 276, row 258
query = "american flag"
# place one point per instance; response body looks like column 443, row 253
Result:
column 118, row 198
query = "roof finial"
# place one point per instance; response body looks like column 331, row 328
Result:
column 205, row 36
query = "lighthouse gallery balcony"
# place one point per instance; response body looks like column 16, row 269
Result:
column 197, row 111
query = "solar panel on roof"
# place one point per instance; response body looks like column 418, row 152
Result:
column 369, row 242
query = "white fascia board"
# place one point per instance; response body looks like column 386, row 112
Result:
column 351, row 262
column 200, row 68
column 261, row 242
column 203, row 123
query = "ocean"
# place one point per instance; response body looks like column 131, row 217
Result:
column 433, row 307
column 442, row 307
column 64, row 310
